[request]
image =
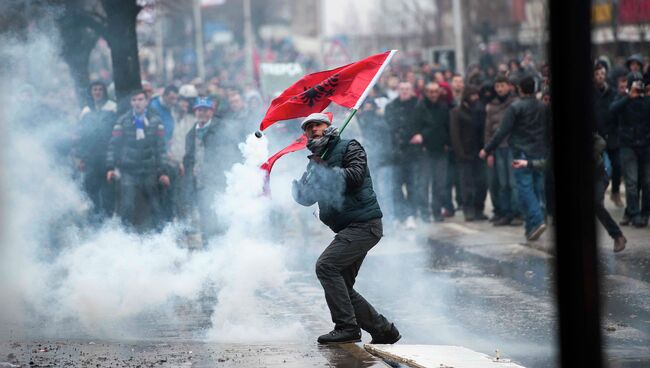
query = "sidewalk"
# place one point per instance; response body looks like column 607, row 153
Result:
column 504, row 252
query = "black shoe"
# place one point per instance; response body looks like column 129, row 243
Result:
column 390, row 336
column 640, row 221
column 480, row 217
column 503, row 221
column 536, row 232
column 438, row 219
column 516, row 221
column 625, row 221
column 340, row 336
column 495, row 218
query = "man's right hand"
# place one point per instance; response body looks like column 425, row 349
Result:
column 490, row 161
column 416, row 139
column 519, row 164
column 482, row 154
column 110, row 175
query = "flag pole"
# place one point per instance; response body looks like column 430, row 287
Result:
column 364, row 95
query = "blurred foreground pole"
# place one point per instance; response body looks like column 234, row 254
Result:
column 198, row 39
column 121, row 20
column 577, row 275
column 458, row 37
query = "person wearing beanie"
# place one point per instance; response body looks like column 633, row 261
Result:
column 338, row 179
column 467, row 122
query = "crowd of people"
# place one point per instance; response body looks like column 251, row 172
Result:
column 448, row 141
column 455, row 140
column 165, row 158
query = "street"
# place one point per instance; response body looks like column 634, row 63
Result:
column 454, row 283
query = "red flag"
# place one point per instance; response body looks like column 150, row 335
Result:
column 346, row 85
column 297, row 145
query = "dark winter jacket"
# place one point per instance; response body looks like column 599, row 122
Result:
column 220, row 142
column 632, row 117
column 605, row 126
column 376, row 136
column 495, row 111
column 526, row 122
column 433, row 118
column 341, row 185
column 400, row 117
column 94, row 134
column 466, row 130
column 137, row 157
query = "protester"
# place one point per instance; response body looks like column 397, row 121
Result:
column 502, row 185
column 466, row 131
column 631, row 113
column 339, row 181
column 432, row 115
column 137, row 159
column 407, row 154
column 526, row 122
column 95, row 127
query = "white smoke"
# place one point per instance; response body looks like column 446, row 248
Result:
column 57, row 272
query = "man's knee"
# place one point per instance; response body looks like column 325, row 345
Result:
column 325, row 270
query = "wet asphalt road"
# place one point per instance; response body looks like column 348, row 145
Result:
column 452, row 284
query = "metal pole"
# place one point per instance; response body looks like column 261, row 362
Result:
column 458, row 36
column 248, row 38
column 320, row 15
column 198, row 39
column 160, row 53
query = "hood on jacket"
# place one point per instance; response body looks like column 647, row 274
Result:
column 634, row 58
column 89, row 95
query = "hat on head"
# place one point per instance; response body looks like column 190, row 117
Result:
column 321, row 117
column 205, row 102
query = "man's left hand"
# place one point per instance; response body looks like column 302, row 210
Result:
column 164, row 180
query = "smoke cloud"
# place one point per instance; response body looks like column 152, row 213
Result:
column 58, row 270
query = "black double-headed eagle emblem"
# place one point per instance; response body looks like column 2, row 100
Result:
column 311, row 95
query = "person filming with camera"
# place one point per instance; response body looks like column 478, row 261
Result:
column 630, row 112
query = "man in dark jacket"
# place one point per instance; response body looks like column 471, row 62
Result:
column 338, row 179
column 432, row 114
column 407, row 153
column 501, row 176
column 631, row 113
column 604, row 95
column 210, row 151
column 526, row 122
column 137, row 157
column 466, row 130
column 95, row 127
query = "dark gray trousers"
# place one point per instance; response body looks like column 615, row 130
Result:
column 337, row 269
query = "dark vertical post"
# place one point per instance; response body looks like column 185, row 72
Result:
column 576, row 260
column 121, row 20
